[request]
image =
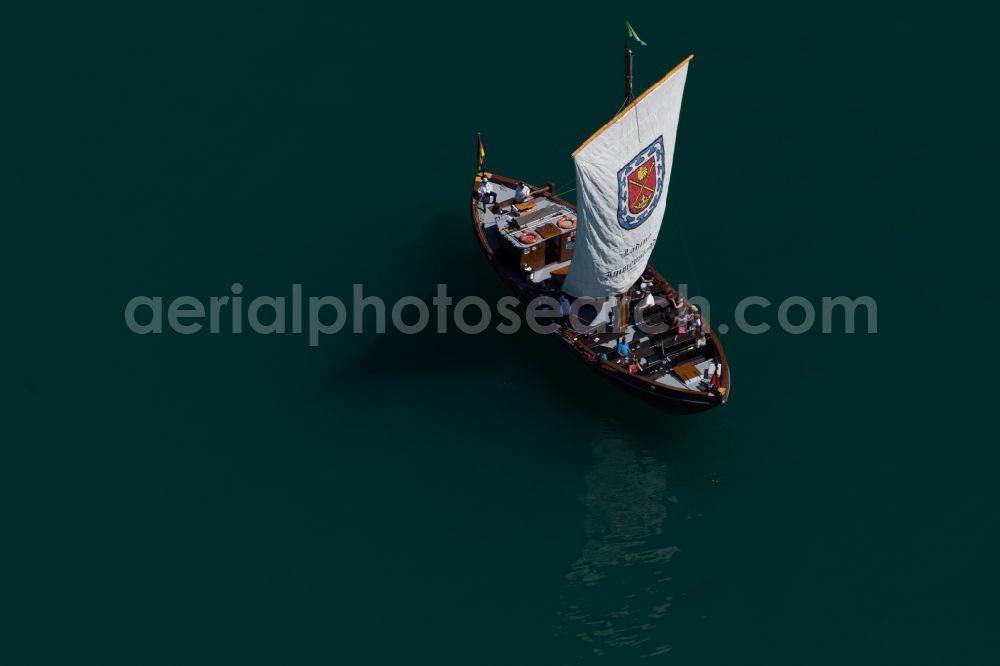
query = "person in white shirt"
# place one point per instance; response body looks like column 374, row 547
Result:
column 522, row 192
column 486, row 193
column 640, row 310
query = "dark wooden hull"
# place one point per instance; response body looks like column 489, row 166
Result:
column 674, row 400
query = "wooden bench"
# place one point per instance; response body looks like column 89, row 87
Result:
column 644, row 352
column 648, row 358
column 665, row 341
column 534, row 216
column 692, row 354
column 664, row 349
column 654, row 315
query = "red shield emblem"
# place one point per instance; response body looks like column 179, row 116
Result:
column 642, row 186
column 640, row 183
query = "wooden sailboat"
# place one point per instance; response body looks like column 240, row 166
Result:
column 625, row 321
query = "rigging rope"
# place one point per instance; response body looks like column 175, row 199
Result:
column 571, row 180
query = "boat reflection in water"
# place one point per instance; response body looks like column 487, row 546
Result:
column 617, row 593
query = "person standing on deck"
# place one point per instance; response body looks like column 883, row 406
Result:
column 522, row 192
column 612, row 313
column 713, row 373
column 564, row 306
column 486, row 193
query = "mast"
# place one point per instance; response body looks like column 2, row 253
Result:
column 621, row 325
column 628, row 75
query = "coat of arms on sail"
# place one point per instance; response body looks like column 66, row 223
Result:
column 640, row 183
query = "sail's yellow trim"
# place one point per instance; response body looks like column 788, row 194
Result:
column 630, row 106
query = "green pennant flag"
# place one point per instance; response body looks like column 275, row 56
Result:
column 630, row 32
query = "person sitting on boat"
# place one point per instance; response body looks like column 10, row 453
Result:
column 644, row 304
column 646, row 282
column 622, row 348
column 522, row 192
column 681, row 322
column 695, row 317
column 676, row 300
column 701, row 341
column 486, row 193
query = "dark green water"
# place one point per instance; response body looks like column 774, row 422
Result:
column 237, row 499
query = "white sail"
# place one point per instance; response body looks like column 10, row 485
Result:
column 622, row 173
